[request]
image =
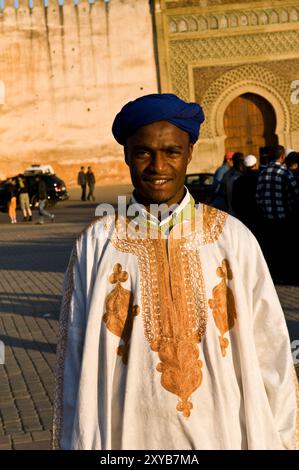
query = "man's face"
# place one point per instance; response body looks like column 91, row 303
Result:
column 158, row 155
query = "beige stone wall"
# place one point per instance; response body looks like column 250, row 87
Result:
column 66, row 72
column 212, row 51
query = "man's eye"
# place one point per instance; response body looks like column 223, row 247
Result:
column 142, row 153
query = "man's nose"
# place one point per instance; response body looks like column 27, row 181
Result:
column 158, row 162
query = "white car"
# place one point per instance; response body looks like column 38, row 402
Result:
column 39, row 169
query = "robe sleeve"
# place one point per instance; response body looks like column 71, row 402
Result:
column 272, row 344
column 69, row 349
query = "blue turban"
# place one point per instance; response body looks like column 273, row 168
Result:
column 157, row 107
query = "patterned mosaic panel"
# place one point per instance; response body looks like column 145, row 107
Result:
column 233, row 19
column 183, row 52
column 203, row 3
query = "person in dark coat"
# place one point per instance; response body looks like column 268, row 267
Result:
column 277, row 195
column 292, row 163
column 243, row 197
column 90, row 178
column 82, row 180
column 43, row 199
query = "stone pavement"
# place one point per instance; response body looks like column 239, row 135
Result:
column 33, row 259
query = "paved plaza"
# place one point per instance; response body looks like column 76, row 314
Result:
column 33, row 260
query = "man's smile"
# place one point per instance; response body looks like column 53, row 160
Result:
column 156, row 181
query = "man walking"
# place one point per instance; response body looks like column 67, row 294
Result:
column 43, row 200
column 90, row 178
column 82, row 182
column 171, row 332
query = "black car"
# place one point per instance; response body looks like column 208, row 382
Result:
column 200, row 186
column 56, row 190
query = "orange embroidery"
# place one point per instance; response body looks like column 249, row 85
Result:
column 181, row 371
column 174, row 310
column 181, row 331
column 223, row 304
column 120, row 311
column 213, row 221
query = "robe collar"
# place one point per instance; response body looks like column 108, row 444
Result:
column 182, row 213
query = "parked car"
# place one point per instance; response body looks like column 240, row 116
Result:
column 56, row 189
column 200, row 186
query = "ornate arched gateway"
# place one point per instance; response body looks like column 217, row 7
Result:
column 216, row 51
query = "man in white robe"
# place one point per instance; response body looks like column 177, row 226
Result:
column 171, row 332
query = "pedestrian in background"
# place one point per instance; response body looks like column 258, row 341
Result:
column 90, row 178
column 230, row 177
column 219, row 201
column 82, row 182
column 243, row 198
column 43, row 199
column 11, row 199
column 292, row 163
column 277, row 195
column 24, row 198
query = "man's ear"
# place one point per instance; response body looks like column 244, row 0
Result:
column 190, row 152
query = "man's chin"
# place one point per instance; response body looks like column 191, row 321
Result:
column 157, row 197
